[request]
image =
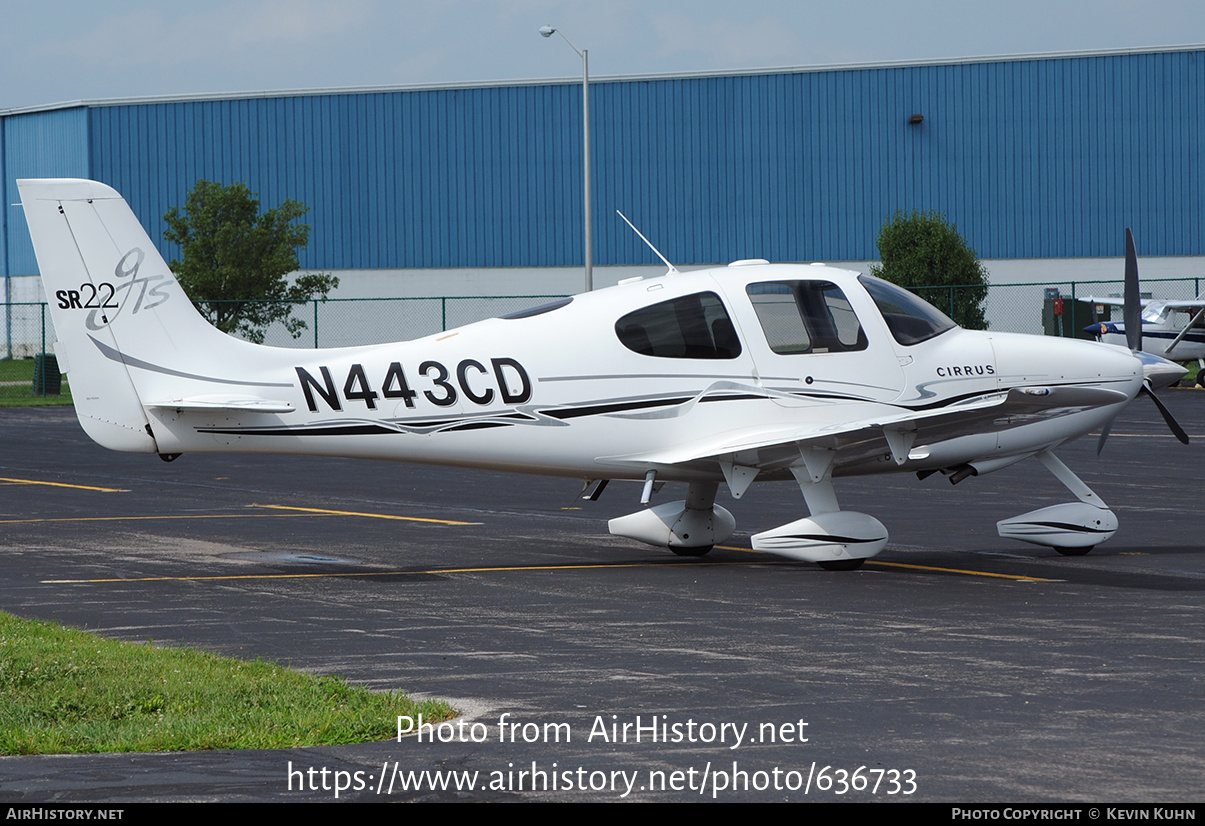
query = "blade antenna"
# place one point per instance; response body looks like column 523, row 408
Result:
column 672, row 269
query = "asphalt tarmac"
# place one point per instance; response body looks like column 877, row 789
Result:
column 956, row 666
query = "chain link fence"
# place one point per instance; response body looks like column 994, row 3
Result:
column 26, row 328
column 1053, row 309
column 1058, row 308
column 346, row 322
column 337, row 322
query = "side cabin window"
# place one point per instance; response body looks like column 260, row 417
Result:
column 806, row 317
column 691, row 327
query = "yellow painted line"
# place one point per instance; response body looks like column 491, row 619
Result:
column 61, row 485
column 298, row 511
column 1017, row 577
column 369, row 515
column 293, row 512
column 508, row 568
column 497, row 569
column 150, row 518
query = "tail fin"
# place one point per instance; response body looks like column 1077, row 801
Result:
column 114, row 305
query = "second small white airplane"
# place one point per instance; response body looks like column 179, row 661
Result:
column 1171, row 329
column 726, row 375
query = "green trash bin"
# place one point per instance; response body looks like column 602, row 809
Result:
column 47, row 380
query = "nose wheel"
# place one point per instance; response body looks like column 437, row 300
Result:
column 1072, row 528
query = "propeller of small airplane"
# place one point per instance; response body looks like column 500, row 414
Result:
column 1132, row 316
column 1132, row 313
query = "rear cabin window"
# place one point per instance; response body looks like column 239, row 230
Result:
column 806, row 317
column 691, row 327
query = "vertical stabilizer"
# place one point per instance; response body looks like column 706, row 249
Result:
column 114, row 304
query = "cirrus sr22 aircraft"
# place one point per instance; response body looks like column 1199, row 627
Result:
column 753, row 371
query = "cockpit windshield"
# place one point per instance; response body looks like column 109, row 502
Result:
column 910, row 318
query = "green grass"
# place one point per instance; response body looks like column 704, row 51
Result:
column 21, row 395
column 64, row 691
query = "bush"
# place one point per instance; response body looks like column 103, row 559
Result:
column 235, row 261
column 923, row 249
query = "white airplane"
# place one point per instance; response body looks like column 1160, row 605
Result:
column 1170, row 329
column 754, row 370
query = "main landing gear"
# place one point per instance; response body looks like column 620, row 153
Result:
column 834, row 539
column 688, row 527
column 838, row 540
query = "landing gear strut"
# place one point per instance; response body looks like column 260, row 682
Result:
column 1073, row 528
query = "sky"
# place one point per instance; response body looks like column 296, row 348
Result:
column 86, row 50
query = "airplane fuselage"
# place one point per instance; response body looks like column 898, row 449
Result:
column 1158, row 338
column 560, row 393
column 729, row 374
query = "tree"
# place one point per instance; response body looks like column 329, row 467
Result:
column 923, row 249
column 235, row 261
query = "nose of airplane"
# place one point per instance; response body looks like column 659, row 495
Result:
column 1133, row 372
column 1102, row 328
column 1039, row 359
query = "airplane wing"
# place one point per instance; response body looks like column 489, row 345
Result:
column 1175, row 304
column 884, row 429
column 1181, row 303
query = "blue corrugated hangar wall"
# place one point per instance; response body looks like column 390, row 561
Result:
column 1044, row 157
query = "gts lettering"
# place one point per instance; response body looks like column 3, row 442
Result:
column 507, row 382
column 148, row 292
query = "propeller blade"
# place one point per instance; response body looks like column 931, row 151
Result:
column 1104, row 435
column 1132, row 314
column 1172, row 424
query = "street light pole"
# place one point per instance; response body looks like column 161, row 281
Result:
column 548, row 31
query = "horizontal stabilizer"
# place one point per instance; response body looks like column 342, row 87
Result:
column 232, row 405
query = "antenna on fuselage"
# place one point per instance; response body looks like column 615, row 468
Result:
column 672, row 269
